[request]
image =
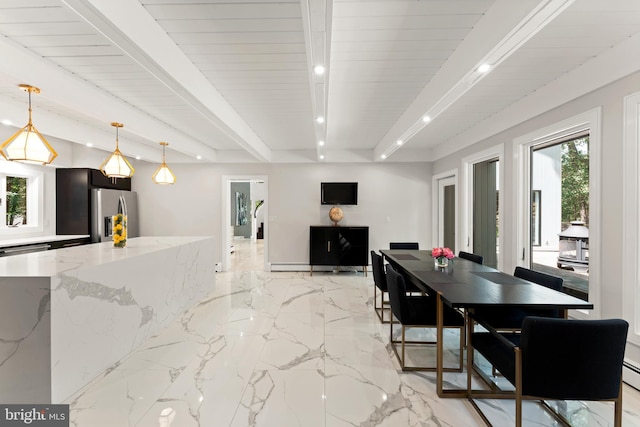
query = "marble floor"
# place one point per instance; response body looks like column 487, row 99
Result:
column 289, row 349
column 248, row 255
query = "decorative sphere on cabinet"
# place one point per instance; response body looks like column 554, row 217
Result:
column 335, row 214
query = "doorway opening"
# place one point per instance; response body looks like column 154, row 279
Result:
column 445, row 210
column 245, row 207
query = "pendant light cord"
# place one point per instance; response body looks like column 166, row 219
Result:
column 30, row 123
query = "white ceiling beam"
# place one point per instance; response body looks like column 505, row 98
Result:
column 582, row 80
column 62, row 88
column 128, row 25
column 504, row 17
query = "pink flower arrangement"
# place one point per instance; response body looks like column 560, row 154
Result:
column 441, row 253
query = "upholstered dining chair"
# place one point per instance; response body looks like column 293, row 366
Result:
column 478, row 259
column 417, row 312
column 511, row 318
column 404, row 245
column 559, row 359
column 380, row 283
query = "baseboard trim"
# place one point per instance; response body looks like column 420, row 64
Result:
column 316, row 268
column 631, row 374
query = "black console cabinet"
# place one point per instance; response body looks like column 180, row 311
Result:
column 339, row 246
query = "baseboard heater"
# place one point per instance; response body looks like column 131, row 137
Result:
column 305, row 267
column 631, row 374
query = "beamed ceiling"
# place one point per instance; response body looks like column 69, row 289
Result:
column 234, row 81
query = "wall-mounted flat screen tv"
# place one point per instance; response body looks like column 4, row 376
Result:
column 339, row 193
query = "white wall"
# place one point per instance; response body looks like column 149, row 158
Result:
column 192, row 206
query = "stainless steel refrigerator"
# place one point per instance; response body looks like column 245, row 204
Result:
column 104, row 204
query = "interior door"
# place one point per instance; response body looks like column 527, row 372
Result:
column 447, row 213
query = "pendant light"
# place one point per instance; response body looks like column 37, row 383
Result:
column 28, row 145
column 163, row 174
column 117, row 165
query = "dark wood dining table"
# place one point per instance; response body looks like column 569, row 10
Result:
column 466, row 285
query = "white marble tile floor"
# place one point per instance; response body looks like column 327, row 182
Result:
column 284, row 350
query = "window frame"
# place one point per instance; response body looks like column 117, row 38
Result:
column 589, row 121
column 35, row 198
column 631, row 217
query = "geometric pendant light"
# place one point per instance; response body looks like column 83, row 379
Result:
column 28, row 145
column 163, row 174
column 116, row 165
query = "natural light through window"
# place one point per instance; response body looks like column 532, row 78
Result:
column 21, row 199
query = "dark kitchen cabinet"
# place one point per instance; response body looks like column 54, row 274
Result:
column 73, row 197
column 339, row 246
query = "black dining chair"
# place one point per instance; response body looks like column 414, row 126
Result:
column 417, row 312
column 380, row 283
column 478, row 259
column 559, row 359
column 404, row 245
column 511, row 318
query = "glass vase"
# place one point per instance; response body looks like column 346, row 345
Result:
column 441, row 262
column 119, row 231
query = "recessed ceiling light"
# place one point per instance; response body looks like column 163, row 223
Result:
column 138, row 157
column 384, row 156
column 399, row 142
column 199, row 157
column 426, row 119
column 319, row 70
column 320, row 143
column 321, row 156
column 320, row 119
column 484, row 68
column 6, row 122
column 88, row 144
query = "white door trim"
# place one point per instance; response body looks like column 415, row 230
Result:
column 438, row 181
column 226, row 216
column 631, row 217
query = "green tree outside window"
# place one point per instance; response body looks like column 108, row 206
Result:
column 16, row 192
column 575, row 180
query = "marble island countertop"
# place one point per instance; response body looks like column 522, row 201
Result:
column 69, row 315
column 53, row 262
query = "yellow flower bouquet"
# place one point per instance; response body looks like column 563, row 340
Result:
column 119, row 231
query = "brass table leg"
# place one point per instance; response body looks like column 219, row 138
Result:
column 439, row 345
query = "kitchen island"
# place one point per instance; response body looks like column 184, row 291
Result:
column 68, row 315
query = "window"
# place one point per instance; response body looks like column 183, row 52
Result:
column 16, row 197
column 562, row 161
column 560, row 221
column 21, row 198
column 631, row 217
